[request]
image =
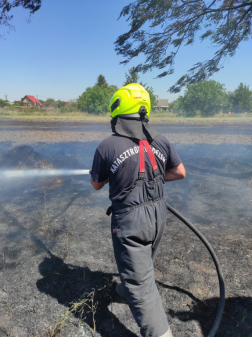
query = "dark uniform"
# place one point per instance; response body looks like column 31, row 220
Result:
column 135, row 169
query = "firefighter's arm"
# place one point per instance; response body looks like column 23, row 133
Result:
column 97, row 186
column 175, row 173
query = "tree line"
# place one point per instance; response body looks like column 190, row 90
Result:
column 209, row 97
column 95, row 99
column 61, row 106
column 205, row 98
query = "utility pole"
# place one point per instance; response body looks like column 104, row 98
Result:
column 37, row 101
column 6, row 97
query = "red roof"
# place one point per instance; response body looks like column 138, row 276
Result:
column 33, row 99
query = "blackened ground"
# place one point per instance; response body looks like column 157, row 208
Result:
column 23, row 156
column 56, row 244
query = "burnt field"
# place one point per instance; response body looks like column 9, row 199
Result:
column 57, row 269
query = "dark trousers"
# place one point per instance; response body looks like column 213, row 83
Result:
column 137, row 227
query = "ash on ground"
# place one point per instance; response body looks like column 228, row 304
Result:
column 24, row 156
column 57, row 268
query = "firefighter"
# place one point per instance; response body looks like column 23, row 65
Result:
column 136, row 161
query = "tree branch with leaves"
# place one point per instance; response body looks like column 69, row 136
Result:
column 158, row 29
column 6, row 6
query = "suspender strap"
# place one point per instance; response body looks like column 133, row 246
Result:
column 141, row 157
column 144, row 144
column 151, row 155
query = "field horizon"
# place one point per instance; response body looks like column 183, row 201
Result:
column 167, row 117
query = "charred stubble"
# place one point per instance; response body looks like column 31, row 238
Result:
column 56, row 245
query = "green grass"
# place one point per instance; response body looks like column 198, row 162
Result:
column 156, row 116
column 52, row 114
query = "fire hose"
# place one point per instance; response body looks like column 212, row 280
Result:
column 219, row 314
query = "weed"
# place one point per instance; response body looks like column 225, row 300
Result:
column 243, row 319
column 86, row 305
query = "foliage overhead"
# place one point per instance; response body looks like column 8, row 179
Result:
column 241, row 99
column 158, row 28
column 7, row 5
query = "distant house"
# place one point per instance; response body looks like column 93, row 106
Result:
column 32, row 101
column 162, row 104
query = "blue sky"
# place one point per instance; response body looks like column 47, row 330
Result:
column 68, row 44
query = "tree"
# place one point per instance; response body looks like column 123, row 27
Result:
column 241, row 99
column 73, row 105
column 161, row 26
column 61, row 104
column 96, row 99
column 49, row 101
column 6, row 6
column 131, row 77
column 176, row 104
column 20, row 103
column 4, row 103
column 101, row 81
column 206, row 98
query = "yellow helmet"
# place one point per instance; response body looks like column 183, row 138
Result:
column 130, row 99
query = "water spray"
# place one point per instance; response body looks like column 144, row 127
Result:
column 57, row 172
column 40, row 173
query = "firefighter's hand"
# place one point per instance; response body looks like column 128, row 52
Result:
column 98, row 186
column 105, row 182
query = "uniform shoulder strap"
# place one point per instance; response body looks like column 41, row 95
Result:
column 151, row 155
column 144, row 144
column 141, row 157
